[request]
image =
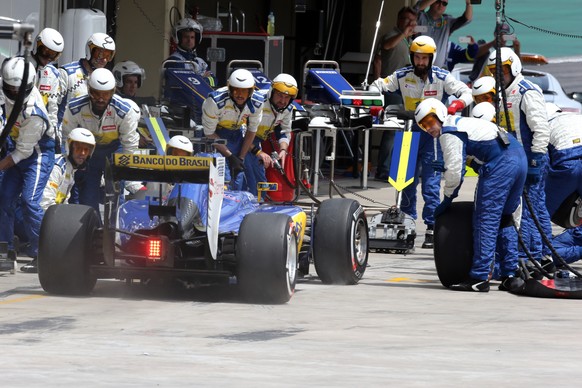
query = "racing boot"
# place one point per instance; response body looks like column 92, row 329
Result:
column 31, row 267
column 548, row 264
column 533, row 271
column 512, row 284
column 428, row 239
column 475, row 285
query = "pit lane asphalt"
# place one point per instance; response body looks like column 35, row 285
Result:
column 398, row 327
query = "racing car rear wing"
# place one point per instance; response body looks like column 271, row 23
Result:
column 157, row 168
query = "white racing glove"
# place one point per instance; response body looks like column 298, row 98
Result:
column 133, row 186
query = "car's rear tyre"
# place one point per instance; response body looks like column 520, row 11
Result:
column 340, row 241
column 266, row 251
column 66, row 251
column 453, row 243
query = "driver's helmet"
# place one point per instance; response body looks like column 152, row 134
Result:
column 124, row 68
column 423, row 45
column 188, row 24
column 180, row 142
column 508, row 57
column 12, row 73
column 285, row 83
column 101, row 40
column 52, row 40
column 428, row 107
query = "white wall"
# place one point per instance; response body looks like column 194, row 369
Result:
column 27, row 11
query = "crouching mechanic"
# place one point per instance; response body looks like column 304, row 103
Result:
column 484, row 111
column 80, row 146
column 565, row 151
column 277, row 114
column 179, row 146
column 568, row 245
column 30, row 157
column 498, row 191
column 112, row 120
column 224, row 115
column 415, row 83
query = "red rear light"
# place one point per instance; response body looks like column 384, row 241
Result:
column 154, row 249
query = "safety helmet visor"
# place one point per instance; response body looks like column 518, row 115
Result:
column 80, row 152
column 428, row 121
column 48, row 54
column 485, row 97
column 289, row 89
column 99, row 53
column 100, row 95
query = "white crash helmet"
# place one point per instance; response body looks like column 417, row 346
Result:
column 188, row 24
column 81, row 135
column 483, row 85
column 508, row 57
column 101, row 79
column 101, row 40
column 51, row 39
column 124, row 68
column 423, row 44
column 428, row 106
column 552, row 110
column 180, row 142
column 484, row 110
column 241, row 78
column 12, row 72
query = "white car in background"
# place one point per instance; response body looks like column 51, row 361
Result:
column 550, row 86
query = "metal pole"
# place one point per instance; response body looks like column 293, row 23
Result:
column 365, row 83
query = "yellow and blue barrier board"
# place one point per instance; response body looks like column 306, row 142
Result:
column 404, row 155
column 158, row 133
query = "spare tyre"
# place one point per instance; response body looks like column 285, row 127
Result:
column 453, row 243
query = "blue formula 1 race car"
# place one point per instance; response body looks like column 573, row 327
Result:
column 198, row 233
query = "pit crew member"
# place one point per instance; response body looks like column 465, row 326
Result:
column 483, row 90
column 80, row 146
column 277, row 114
column 49, row 47
column 529, row 124
column 415, row 83
column 99, row 51
column 498, row 191
column 179, row 145
column 188, row 35
column 113, row 122
column 30, row 157
column 225, row 113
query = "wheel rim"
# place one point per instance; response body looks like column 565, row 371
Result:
column 360, row 243
column 291, row 263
